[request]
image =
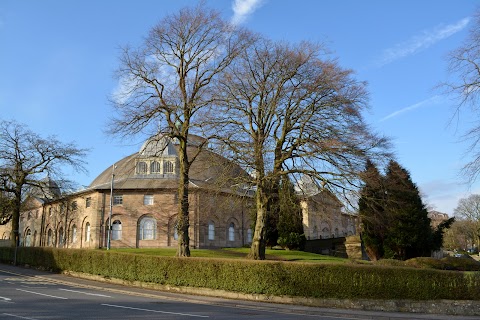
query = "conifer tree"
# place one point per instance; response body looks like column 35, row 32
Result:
column 371, row 211
column 395, row 222
column 409, row 233
column 290, row 219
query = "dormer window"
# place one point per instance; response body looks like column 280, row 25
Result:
column 155, row 167
column 141, row 167
column 168, row 167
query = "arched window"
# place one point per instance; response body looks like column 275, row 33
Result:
column 155, row 167
column 211, row 231
column 167, row 167
column 325, row 232
column 141, row 167
column 60, row 237
column 87, row 232
column 148, row 228
column 28, row 238
column 117, row 230
column 315, row 232
column 231, row 232
column 49, row 237
column 74, row 233
column 175, row 231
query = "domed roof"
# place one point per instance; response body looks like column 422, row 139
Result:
column 209, row 169
column 157, row 146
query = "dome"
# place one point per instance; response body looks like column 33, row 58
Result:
column 157, row 146
column 156, row 166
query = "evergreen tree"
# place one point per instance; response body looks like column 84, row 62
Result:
column 290, row 219
column 409, row 233
column 371, row 211
column 395, row 222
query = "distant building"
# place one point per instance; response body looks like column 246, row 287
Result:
column 437, row 218
column 323, row 217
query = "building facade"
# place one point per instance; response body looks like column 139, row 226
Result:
column 144, row 208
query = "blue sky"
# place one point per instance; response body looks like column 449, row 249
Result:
column 57, row 60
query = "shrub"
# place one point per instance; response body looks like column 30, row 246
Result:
column 293, row 240
column 346, row 281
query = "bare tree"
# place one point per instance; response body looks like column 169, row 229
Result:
column 464, row 65
column 287, row 112
column 468, row 209
column 6, row 202
column 166, row 83
column 461, row 235
column 26, row 158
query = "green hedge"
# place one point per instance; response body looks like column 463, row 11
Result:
column 260, row 277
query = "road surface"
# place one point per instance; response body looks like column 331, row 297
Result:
column 32, row 294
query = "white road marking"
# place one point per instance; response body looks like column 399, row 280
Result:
column 87, row 293
column 42, row 294
column 19, row 317
column 156, row 311
column 9, row 272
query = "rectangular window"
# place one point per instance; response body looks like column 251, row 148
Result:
column 117, row 199
column 74, row 205
column 88, row 202
column 148, row 200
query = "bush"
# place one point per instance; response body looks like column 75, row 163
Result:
column 447, row 263
column 346, row 281
column 292, row 241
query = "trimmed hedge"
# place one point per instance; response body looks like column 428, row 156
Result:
column 260, row 277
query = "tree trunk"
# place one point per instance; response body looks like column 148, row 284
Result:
column 15, row 235
column 257, row 250
column 183, row 249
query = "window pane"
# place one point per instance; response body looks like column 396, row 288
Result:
column 211, row 231
column 231, row 232
column 49, row 237
column 148, row 199
column 167, row 167
column 74, row 233
column 116, row 230
column 155, row 167
column 148, row 228
column 87, row 232
column 141, row 167
column 118, row 199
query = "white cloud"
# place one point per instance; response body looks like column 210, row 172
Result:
column 444, row 196
column 430, row 101
column 421, row 42
column 243, row 8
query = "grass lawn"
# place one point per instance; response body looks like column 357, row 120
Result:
column 240, row 253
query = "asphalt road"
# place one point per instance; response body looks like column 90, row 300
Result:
column 32, row 294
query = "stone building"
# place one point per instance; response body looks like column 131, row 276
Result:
column 144, row 205
column 437, row 217
column 323, row 217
